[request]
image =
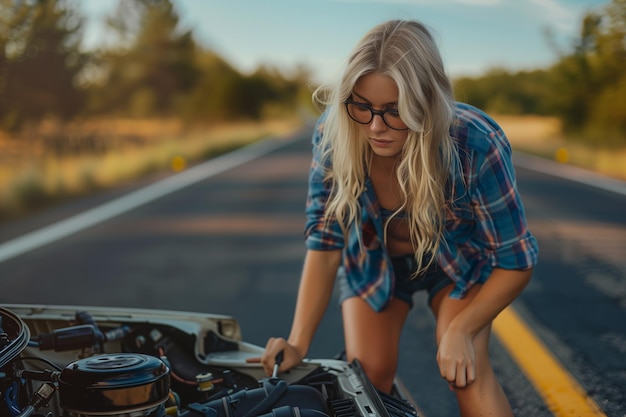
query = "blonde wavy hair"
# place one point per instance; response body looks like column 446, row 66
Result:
column 405, row 51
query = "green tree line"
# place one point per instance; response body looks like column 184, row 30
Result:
column 153, row 68
column 585, row 87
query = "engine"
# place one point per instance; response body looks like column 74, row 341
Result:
column 141, row 363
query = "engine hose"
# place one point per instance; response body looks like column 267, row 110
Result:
column 27, row 411
column 274, row 392
column 10, row 397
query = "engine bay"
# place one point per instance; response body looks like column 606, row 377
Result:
column 98, row 361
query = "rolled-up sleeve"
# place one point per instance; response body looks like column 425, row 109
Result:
column 319, row 234
column 500, row 216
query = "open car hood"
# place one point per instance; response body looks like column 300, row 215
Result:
column 84, row 361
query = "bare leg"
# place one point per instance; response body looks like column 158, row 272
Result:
column 485, row 396
column 374, row 338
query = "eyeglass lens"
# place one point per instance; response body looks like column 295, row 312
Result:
column 363, row 113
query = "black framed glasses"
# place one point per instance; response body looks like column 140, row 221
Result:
column 364, row 114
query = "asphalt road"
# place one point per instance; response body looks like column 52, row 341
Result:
column 231, row 243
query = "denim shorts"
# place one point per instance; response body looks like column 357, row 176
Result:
column 433, row 281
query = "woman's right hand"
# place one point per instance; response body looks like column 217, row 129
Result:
column 314, row 293
column 291, row 356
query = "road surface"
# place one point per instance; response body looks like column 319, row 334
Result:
column 226, row 237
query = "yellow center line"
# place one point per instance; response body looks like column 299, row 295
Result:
column 560, row 391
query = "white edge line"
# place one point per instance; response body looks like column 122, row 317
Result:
column 64, row 228
column 91, row 217
column 569, row 172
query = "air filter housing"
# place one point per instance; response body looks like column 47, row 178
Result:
column 114, row 384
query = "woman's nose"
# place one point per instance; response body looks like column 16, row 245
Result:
column 378, row 124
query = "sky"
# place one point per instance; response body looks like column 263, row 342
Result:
column 473, row 35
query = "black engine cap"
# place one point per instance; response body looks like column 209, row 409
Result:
column 113, row 383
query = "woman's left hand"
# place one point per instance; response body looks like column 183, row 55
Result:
column 457, row 358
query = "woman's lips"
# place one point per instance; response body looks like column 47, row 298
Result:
column 380, row 142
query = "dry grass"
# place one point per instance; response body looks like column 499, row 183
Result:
column 54, row 161
column 51, row 161
column 533, row 132
column 543, row 136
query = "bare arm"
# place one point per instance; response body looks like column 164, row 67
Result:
column 500, row 290
column 456, row 354
column 316, row 287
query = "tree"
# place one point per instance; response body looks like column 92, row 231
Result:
column 504, row 92
column 585, row 87
column 592, row 80
column 152, row 67
column 40, row 61
column 608, row 110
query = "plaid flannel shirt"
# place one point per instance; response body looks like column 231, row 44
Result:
column 485, row 229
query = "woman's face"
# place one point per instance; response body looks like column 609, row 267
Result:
column 380, row 92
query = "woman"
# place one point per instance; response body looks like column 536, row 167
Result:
column 410, row 191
